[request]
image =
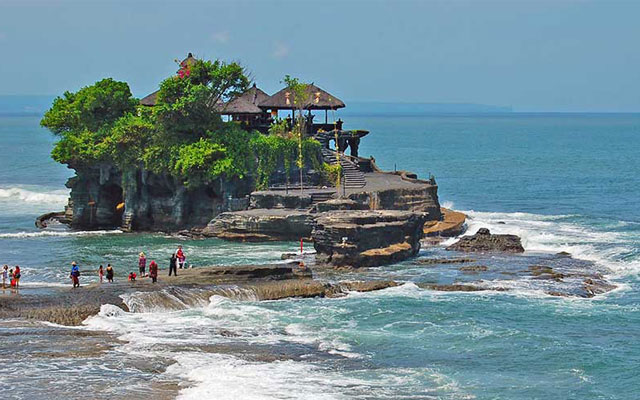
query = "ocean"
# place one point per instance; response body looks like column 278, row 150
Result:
column 562, row 182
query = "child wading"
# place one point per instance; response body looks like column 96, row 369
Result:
column 142, row 264
column 109, row 273
column 132, row 276
column 153, row 271
column 75, row 275
column 100, row 273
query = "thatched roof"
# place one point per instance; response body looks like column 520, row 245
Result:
column 240, row 106
column 255, row 95
column 150, row 100
column 246, row 103
column 316, row 99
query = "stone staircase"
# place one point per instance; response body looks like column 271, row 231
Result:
column 127, row 222
column 319, row 197
column 352, row 175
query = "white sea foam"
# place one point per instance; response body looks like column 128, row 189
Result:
column 554, row 234
column 238, row 379
column 34, row 195
column 54, row 233
column 24, row 283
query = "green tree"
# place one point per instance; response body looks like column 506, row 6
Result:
column 301, row 97
column 128, row 139
column 189, row 103
column 84, row 119
column 91, row 108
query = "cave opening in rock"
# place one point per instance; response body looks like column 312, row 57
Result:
column 112, row 204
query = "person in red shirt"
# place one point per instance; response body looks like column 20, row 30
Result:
column 16, row 275
column 153, row 271
column 181, row 257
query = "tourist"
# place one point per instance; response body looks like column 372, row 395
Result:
column 75, row 274
column 153, row 271
column 142, row 264
column 109, row 273
column 101, row 272
column 16, row 276
column 5, row 276
column 181, row 257
column 12, row 281
column 132, row 276
column 173, row 261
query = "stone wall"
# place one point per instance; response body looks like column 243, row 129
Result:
column 422, row 198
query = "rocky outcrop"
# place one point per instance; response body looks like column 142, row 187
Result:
column 239, row 273
column 417, row 197
column 484, row 241
column 261, row 225
column 280, row 199
column 62, row 217
column 338, row 204
column 367, row 238
column 452, row 223
column 104, row 197
column 136, row 199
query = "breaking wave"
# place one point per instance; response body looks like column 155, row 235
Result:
column 46, row 233
column 56, row 198
column 602, row 243
column 266, row 350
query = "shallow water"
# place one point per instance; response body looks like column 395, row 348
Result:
column 561, row 182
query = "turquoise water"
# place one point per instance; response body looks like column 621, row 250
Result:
column 561, row 182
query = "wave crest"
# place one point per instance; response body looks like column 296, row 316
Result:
column 30, row 195
column 22, row 235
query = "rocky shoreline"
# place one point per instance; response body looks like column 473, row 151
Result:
column 555, row 275
column 66, row 306
column 347, row 236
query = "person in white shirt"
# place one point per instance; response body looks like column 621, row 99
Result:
column 5, row 276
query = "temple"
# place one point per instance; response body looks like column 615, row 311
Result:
column 257, row 110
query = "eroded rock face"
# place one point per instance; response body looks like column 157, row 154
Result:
column 104, row 197
column 338, row 204
column 261, row 225
column 280, row 199
column 484, row 241
column 421, row 198
column 367, row 238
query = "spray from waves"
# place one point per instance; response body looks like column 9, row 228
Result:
column 448, row 204
column 38, row 234
column 559, row 233
column 176, row 298
column 34, row 195
column 229, row 339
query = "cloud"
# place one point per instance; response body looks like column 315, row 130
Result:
column 220, row 37
column 281, row 50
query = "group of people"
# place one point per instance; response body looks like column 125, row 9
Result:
column 177, row 260
column 12, row 276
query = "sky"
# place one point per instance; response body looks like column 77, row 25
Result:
column 531, row 55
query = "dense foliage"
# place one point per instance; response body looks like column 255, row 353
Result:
column 182, row 135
